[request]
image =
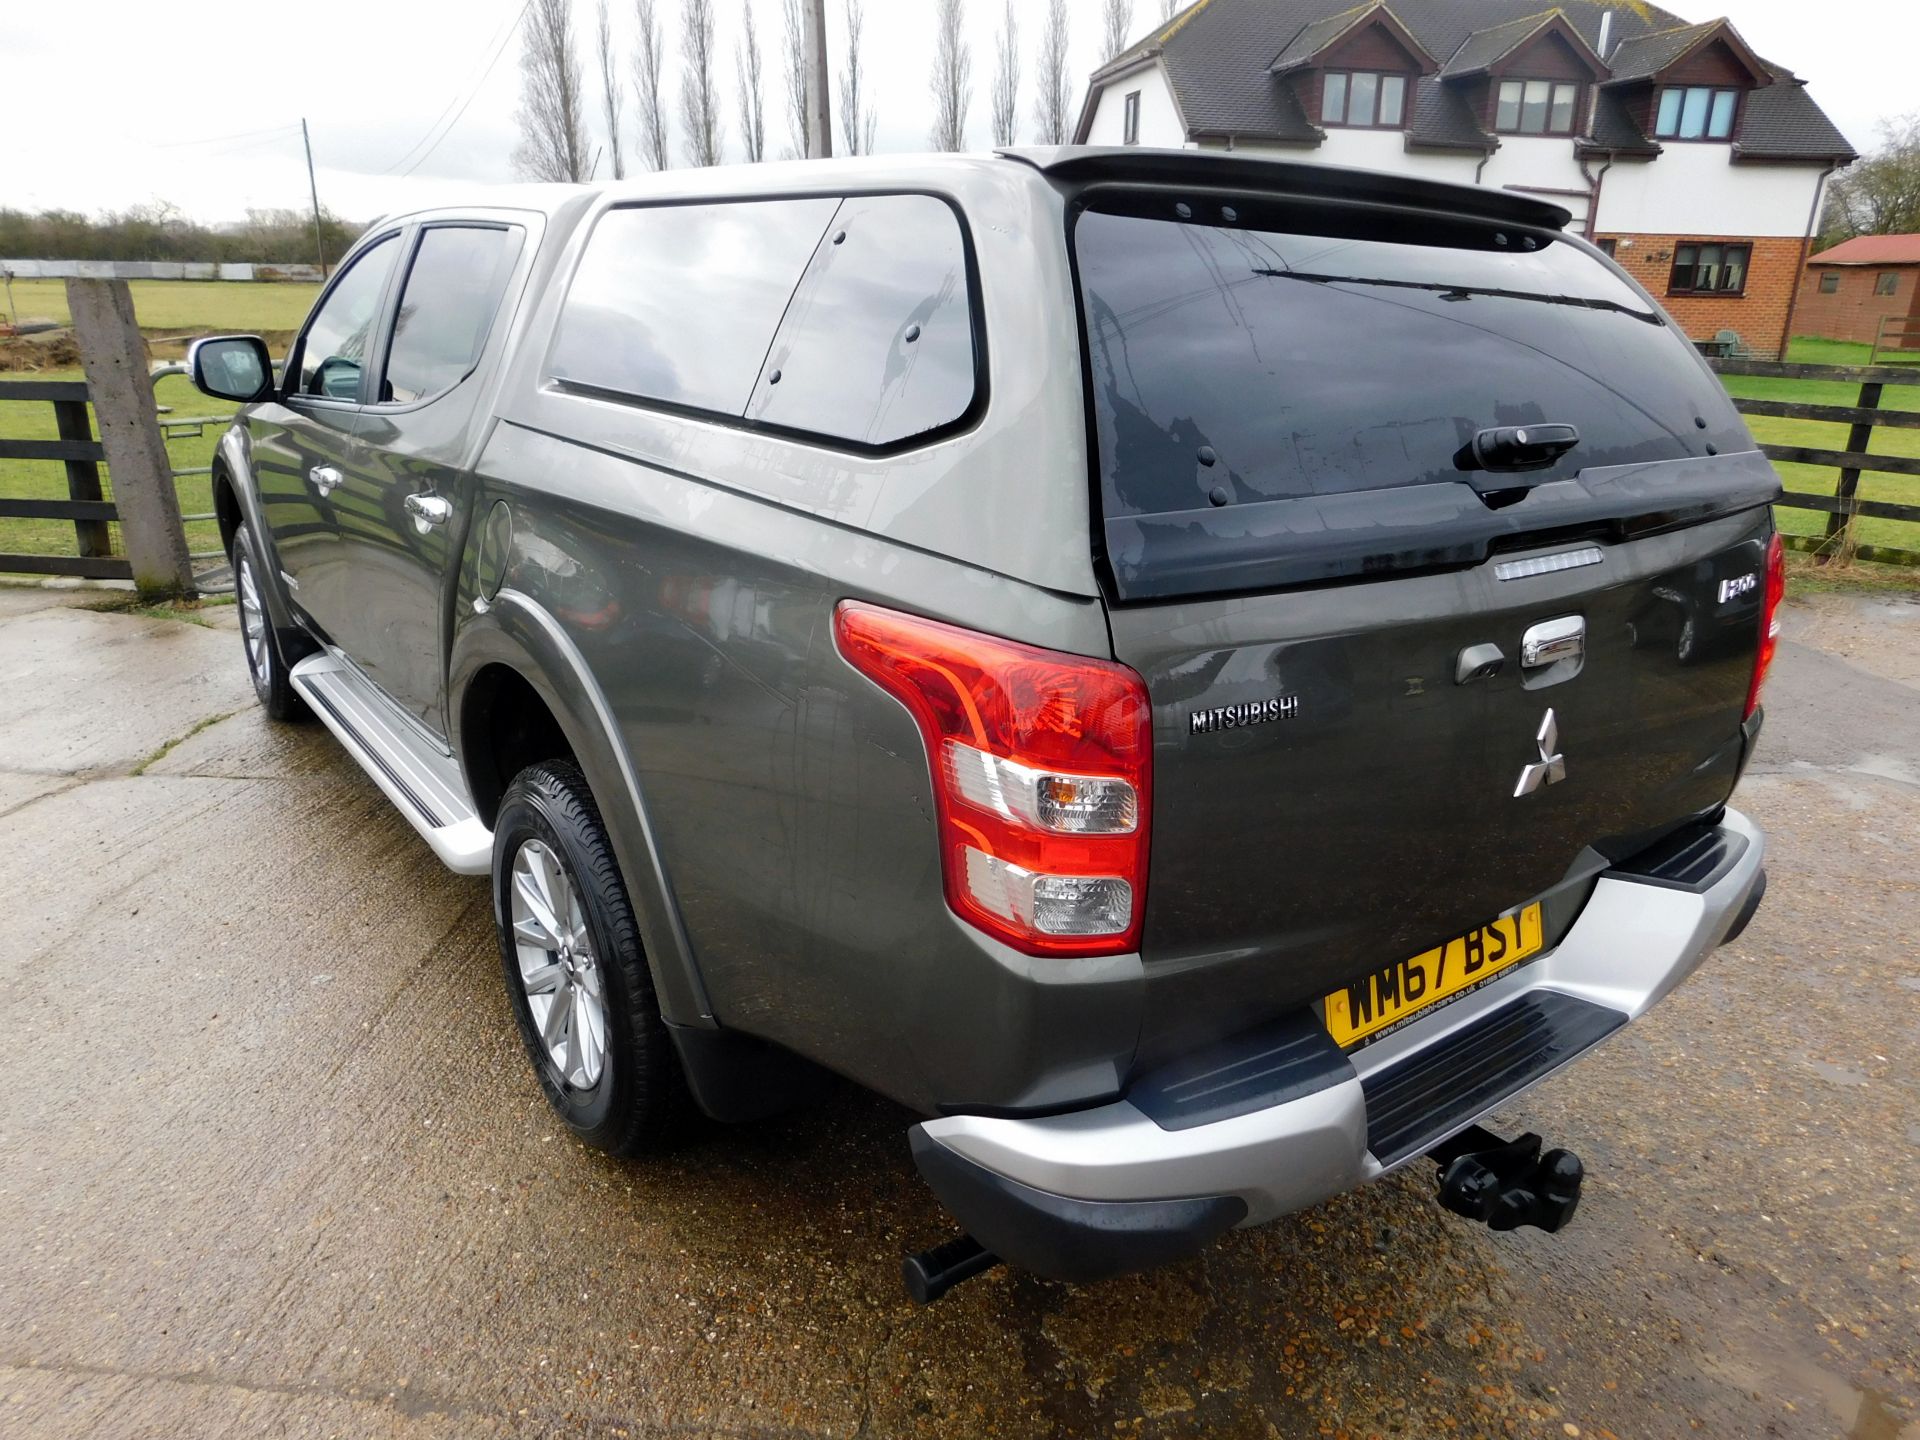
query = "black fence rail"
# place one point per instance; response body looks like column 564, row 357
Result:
column 1845, row 505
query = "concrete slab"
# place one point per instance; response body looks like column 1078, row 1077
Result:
column 94, row 693
column 272, row 1162
column 17, row 600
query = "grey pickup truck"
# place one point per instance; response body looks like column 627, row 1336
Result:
column 1199, row 677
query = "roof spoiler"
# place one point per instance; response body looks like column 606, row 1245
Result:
column 1077, row 165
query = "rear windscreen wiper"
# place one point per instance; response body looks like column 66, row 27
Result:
column 1461, row 292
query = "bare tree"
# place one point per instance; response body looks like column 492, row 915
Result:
column 1880, row 194
column 1006, row 81
column 1119, row 18
column 610, row 88
column 857, row 124
column 952, row 76
column 1050, row 110
column 648, row 62
column 796, row 42
column 753, row 110
column 552, row 119
column 699, row 94
column 1167, row 7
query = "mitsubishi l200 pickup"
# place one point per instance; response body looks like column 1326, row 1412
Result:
column 1200, row 677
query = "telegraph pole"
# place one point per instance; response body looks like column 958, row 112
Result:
column 819, row 110
column 313, row 189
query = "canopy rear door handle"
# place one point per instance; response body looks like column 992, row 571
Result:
column 1552, row 641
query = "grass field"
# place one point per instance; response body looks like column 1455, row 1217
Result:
column 167, row 307
column 203, row 307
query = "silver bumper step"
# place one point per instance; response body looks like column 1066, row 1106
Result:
column 420, row 778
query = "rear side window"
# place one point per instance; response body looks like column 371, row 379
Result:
column 878, row 344
column 679, row 303
column 851, row 321
column 452, row 293
column 1291, row 351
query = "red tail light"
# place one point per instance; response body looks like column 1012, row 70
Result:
column 1769, row 620
column 1041, row 766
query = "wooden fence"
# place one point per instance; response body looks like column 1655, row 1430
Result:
column 86, row 505
column 1845, row 504
column 144, row 501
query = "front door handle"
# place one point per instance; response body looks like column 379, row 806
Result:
column 325, row 479
column 428, row 511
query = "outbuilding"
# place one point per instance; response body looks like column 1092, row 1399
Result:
column 1865, row 289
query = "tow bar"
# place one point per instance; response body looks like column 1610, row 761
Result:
column 1505, row 1184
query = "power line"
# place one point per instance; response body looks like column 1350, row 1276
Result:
column 500, row 45
column 223, row 139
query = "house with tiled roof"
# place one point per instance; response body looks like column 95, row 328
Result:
column 1698, row 164
column 1865, row 289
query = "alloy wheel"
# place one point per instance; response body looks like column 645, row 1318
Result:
column 253, row 618
column 559, row 971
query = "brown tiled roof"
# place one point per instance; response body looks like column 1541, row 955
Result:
column 1217, row 52
column 1872, row 250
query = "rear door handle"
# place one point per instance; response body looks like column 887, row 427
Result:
column 325, row 479
column 428, row 511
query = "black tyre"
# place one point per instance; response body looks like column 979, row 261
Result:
column 265, row 662
column 575, row 969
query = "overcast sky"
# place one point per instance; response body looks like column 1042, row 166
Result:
column 112, row 103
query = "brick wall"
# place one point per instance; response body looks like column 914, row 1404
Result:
column 1759, row 315
column 1854, row 312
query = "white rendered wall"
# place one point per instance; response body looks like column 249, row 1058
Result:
column 1159, row 121
column 1693, row 189
column 1690, row 189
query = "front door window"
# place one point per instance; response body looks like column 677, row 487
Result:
column 333, row 353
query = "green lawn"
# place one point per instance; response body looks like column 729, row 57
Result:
column 1818, row 434
column 201, row 307
column 164, row 308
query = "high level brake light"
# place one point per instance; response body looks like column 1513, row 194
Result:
column 1769, row 620
column 1041, row 763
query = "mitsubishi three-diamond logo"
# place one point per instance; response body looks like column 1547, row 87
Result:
column 1551, row 768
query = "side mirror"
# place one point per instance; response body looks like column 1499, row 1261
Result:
column 232, row 367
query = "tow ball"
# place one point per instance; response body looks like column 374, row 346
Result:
column 1505, row 1184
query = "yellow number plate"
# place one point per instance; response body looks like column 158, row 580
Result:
column 1388, row 996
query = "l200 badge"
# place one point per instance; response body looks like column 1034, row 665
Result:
column 1236, row 717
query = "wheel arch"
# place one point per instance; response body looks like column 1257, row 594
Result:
column 236, row 502
column 516, row 656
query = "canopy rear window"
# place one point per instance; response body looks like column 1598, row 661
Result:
column 1255, row 351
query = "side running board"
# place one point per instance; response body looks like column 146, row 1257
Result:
column 422, row 781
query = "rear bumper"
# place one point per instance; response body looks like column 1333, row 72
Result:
column 1098, row 1192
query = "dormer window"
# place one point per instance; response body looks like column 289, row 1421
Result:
column 1364, row 99
column 1695, row 112
column 1537, row 107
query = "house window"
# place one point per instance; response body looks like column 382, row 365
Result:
column 1709, row 269
column 1830, row 283
column 1695, row 112
column 1537, row 107
column 1608, row 247
column 1364, row 99
column 1133, row 118
column 1886, row 283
